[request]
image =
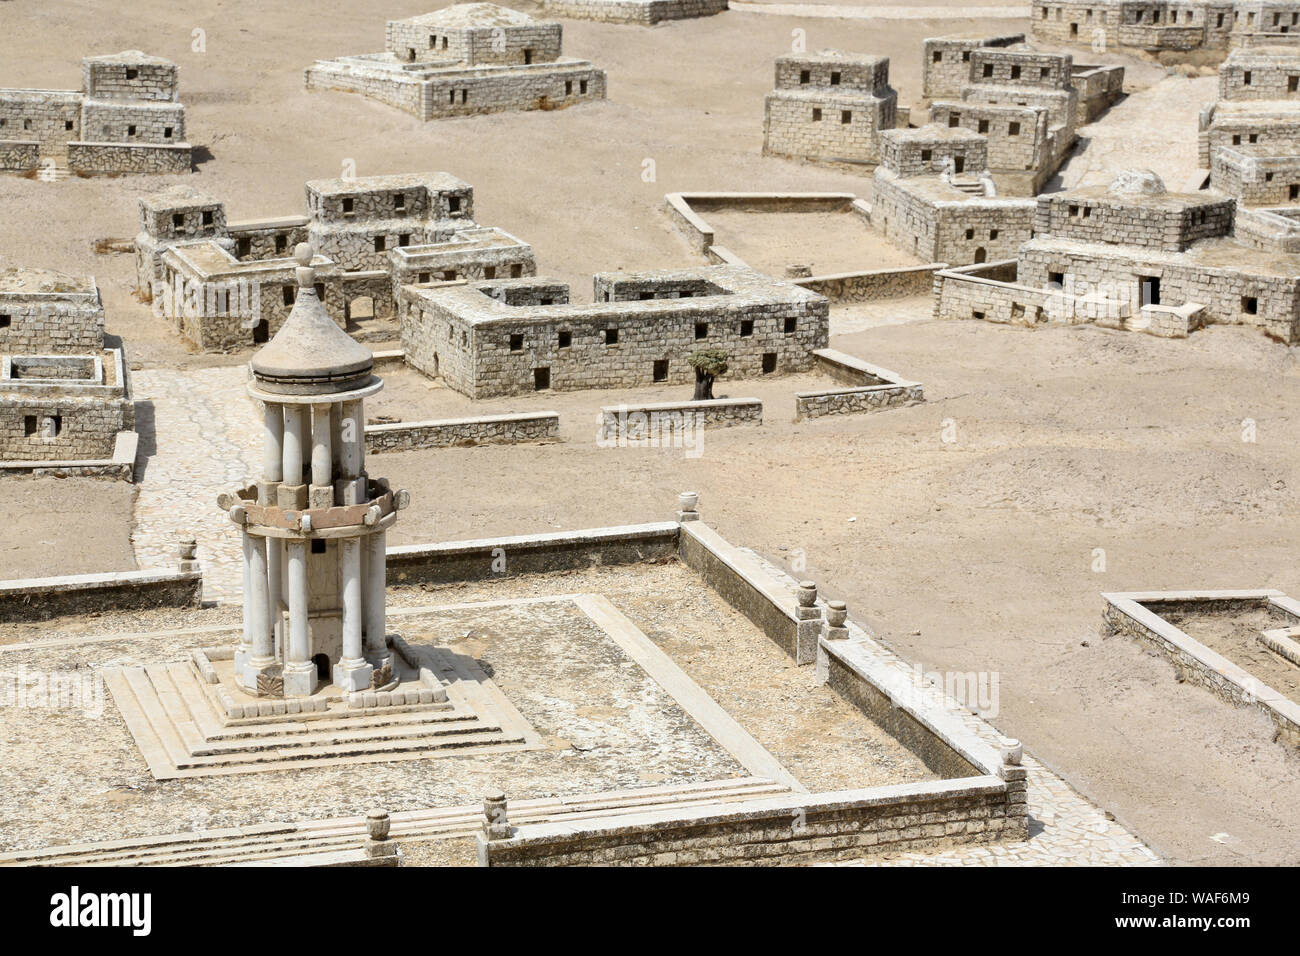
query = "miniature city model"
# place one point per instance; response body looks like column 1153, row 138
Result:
column 829, row 106
column 65, row 399
column 1023, row 103
column 1161, row 26
column 521, row 335
column 1131, row 256
column 228, row 285
column 465, row 59
column 124, row 119
column 645, row 12
column 1249, row 138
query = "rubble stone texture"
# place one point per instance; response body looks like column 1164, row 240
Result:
column 226, row 285
column 124, row 119
column 465, row 59
column 63, row 396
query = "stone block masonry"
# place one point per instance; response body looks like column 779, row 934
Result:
column 522, row 335
column 662, row 421
column 464, row 60
column 460, row 432
column 1137, row 615
column 869, row 388
column 643, row 12
column 124, row 119
column 829, row 106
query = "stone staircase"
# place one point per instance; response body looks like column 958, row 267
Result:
column 182, row 729
column 267, row 842
column 970, row 186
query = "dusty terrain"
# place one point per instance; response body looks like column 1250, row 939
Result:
column 974, row 554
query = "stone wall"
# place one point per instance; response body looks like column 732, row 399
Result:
column 128, row 158
column 655, row 420
column 869, row 388
column 19, row 155
column 1230, row 294
column 946, row 62
column 826, row 126
column 483, row 346
column 1099, row 87
column 39, row 599
column 51, row 324
column 86, row 427
column 477, row 560
column 157, row 124
column 1158, row 225
column 406, row 93
column 1256, row 181
column 779, row 830
column 645, row 12
column 485, row 430
column 873, row 284
column 957, row 232
column 1137, row 616
column 48, row 117
column 1017, row 135
column 1274, row 230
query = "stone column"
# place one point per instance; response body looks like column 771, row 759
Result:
column 322, row 459
column 244, row 652
column 273, row 444
column 352, row 672
column 258, row 597
column 809, row 623
column 374, row 599
column 292, row 458
column 275, row 585
column 299, row 671
column 352, row 436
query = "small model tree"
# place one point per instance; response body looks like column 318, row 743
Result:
column 708, row 365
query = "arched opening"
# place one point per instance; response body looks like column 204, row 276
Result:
column 981, row 255
column 359, row 309
column 322, row 662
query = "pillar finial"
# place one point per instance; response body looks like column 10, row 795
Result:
column 304, row 254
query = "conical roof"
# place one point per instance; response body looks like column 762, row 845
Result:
column 311, row 355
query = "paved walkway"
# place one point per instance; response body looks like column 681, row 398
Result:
column 206, row 440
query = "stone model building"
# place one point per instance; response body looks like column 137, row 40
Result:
column 465, row 59
column 314, row 527
column 124, row 119
column 645, row 12
column 228, row 285
column 829, row 106
column 1133, row 255
column 1166, row 26
column 64, row 396
column 933, row 196
column 1250, row 138
column 521, row 335
column 946, row 71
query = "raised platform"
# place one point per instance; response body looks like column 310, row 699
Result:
column 194, row 721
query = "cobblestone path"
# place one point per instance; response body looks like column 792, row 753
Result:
column 206, row 436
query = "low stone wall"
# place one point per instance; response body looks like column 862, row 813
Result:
column 874, row 283
column 19, row 155
column 868, row 388
column 644, row 12
column 121, row 467
column 489, row 429
column 95, row 158
column 845, row 824
column 1137, row 615
column 38, row 599
column 635, row 422
column 529, row 554
column 741, row 582
column 686, row 212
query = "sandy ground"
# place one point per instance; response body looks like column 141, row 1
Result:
column 1235, row 636
column 975, row 554
column 826, row 242
column 65, row 526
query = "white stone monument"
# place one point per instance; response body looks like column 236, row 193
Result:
column 314, row 537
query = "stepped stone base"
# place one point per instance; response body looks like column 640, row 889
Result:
column 190, row 718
